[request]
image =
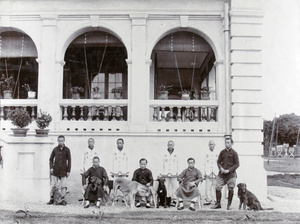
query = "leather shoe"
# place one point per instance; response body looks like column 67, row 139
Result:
column 192, row 209
column 138, row 205
column 50, row 202
column 180, row 208
column 216, row 206
column 148, row 205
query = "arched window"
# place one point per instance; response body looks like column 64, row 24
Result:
column 95, row 67
column 183, row 62
column 18, row 66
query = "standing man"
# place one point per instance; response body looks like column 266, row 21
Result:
column 144, row 177
column 88, row 155
column 189, row 179
column 228, row 162
column 210, row 173
column 60, row 166
column 120, row 165
column 170, row 171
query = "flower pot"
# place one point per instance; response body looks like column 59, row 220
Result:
column 163, row 95
column 41, row 132
column 75, row 96
column 117, row 95
column 7, row 94
column 31, row 95
column 205, row 95
column 185, row 96
column 96, row 96
column 20, row 132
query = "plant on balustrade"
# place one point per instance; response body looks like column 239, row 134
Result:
column 96, row 92
column 31, row 94
column 205, row 92
column 19, row 118
column 117, row 92
column 6, row 82
column 185, row 94
column 75, row 91
column 43, row 119
column 163, row 91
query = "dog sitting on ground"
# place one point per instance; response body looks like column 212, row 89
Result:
column 59, row 195
column 130, row 189
column 162, row 193
column 247, row 198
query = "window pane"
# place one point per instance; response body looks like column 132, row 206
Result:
column 112, row 77
column 119, row 77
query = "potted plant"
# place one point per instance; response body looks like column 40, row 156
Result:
column 117, row 92
column 43, row 120
column 30, row 94
column 96, row 93
column 205, row 93
column 163, row 91
column 75, row 91
column 7, row 85
column 185, row 94
column 20, row 118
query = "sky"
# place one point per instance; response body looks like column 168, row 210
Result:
column 281, row 57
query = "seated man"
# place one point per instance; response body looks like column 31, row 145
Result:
column 189, row 180
column 144, row 177
column 97, row 179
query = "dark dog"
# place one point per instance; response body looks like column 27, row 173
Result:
column 96, row 182
column 247, row 198
column 162, row 193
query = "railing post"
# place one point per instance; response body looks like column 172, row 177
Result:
column 163, row 116
column 187, row 114
column 196, row 118
column 105, row 113
column 89, row 113
column 155, row 115
column 113, row 108
column 1, row 113
column 121, row 113
column 203, row 114
column 73, row 112
column 179, row 114
column 81, row 113
column 171, row 114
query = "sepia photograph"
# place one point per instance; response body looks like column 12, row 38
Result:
column 150, row 111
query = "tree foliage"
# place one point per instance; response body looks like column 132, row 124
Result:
column 285, row 130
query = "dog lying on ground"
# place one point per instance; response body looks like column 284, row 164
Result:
column 162, row 193
column 130, row 190
column 247, row 198
column 59, row 195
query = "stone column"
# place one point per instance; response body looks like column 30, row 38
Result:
column 139, row 80
column 50, row 87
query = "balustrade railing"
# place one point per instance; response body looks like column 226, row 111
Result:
column 7, row 105
column 183, row 111
column 91, row 110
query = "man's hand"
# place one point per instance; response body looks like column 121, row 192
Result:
column 51, row 171
column 68, row 174
column 192, row 183
column 148, row 184
column 106, row 188
column 226, row 171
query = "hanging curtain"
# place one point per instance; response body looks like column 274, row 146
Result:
column 16, row 45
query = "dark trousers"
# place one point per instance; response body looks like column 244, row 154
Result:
column 91, row 194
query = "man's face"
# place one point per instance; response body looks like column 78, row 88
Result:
column 211, row 145
column 228, row 143
column 170, row 145
column 191, row 164
column 143, row 164
column 91, row 143
column 120, row 144
column 61, row 141
column 96, row 162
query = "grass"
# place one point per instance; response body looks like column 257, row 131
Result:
column 157, row 217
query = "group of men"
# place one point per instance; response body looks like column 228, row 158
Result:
column 219, row 170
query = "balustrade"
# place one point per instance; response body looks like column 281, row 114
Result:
column 106, row 110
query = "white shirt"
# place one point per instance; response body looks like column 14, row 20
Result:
column 88, row 156
column 170, row 163
column 120, row 162
column 210, row 163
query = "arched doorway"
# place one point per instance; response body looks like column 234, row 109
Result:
column 95, row 63
column 183, row 62
column 18, row 66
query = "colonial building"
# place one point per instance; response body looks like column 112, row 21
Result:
column 97, row 48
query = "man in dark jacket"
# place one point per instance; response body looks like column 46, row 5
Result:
column 60, row 165
column 144, row 177
column 228, row 162
column 97, row 180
